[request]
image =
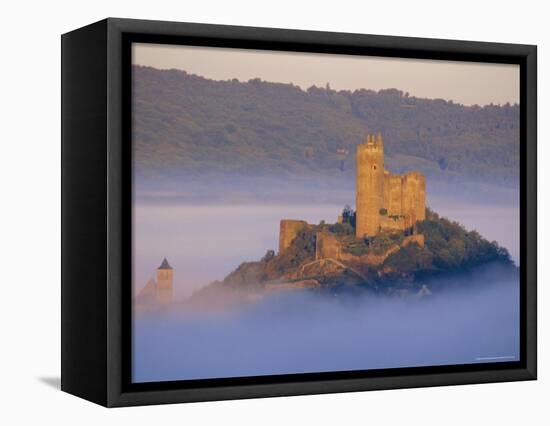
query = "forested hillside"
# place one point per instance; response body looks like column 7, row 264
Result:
column 191, row 126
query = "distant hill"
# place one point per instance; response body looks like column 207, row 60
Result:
column 192, row 126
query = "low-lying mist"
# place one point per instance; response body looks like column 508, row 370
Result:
column 205, row 242
column 466, row 320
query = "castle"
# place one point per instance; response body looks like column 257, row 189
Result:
column 157, row 293
column 384, row 202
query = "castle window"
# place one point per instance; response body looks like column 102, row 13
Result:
column 374, row 167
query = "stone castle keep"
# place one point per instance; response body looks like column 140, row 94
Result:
column 384, row 202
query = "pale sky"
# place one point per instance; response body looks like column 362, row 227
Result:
column 463, row 82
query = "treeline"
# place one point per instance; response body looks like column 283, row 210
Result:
column 189, row 125
column 449, row 247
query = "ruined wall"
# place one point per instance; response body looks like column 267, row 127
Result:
column 377, row 259
column 394, row 189
column 414, row 197
column 421, row 198
column 408, row 198
column 369, row 186
column 327, row 245
column 288, row 230
column 393, row 223
column 386, row 192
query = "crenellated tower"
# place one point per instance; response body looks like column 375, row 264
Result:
column 369, row 186
column 385, row 201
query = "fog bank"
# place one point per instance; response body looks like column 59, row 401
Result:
column 299, row 332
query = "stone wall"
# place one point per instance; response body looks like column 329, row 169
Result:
column 288, row 230
column 327, row 245
column 420, row 198
column 377, row 259
column 414, row 197
column 393, row 188
column 394, row 223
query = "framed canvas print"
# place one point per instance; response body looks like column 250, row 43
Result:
column 252, row 212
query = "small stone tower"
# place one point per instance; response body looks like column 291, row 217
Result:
column 165, row 281
column 369, row 186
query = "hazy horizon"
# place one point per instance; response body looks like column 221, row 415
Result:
column 467, row 83
column 234, row 233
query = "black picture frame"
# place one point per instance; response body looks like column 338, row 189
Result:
column 96, row 212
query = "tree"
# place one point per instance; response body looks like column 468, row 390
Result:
column 348, row 215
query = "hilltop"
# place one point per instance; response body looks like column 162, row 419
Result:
column 387, row 263
column 195, row 127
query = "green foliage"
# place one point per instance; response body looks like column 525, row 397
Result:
column 448, row 247
column 383, row 212
column 411, row 259
column 375, row 245
column 301, row 250
column 357, row 250
column 342, row 229
column 193, row 125
column 348, row 216
column 383, row 241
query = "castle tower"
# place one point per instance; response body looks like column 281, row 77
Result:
column 165, row 281
column 414, row 197
column 369, row 186
column 288, row 231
